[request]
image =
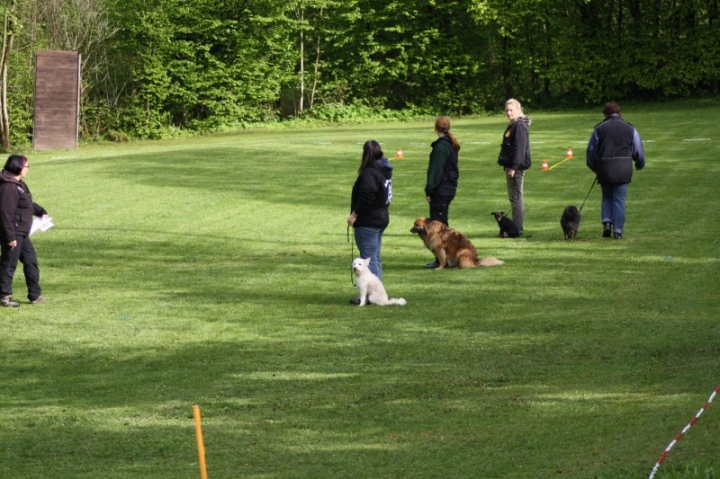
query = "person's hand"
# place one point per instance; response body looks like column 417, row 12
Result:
column 511, row 172
column 12, row 244
column 351, row 219
column 428, row 198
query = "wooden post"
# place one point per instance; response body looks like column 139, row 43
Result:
column 57, row 100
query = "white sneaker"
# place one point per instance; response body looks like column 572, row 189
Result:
column 39, row 299
column 8, row 302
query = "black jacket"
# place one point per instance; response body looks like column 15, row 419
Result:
column 372, row 194
column 613, row 147
column 16, row 207
column 443, row 173
column 515, row 146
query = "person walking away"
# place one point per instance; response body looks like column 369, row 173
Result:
column 16, row 216
column 442, row 174
column 613, row 147
column 515, row 158
column 369, row 205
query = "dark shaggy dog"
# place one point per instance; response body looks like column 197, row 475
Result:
column 508, row 228
column 449, row 246
column 570, row 222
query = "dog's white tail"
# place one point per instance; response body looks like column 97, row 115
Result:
column 490, row 261
column 398, row 301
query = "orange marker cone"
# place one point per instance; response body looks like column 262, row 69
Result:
column 399, row 154
column 545, row 166
column 569, row 153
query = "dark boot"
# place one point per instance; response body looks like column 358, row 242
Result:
column 607, row 229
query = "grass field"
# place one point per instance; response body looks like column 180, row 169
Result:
column 215, row 272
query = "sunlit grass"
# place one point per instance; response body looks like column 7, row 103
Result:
column 214, row 271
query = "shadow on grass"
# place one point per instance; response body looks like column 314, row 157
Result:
column 348, row 400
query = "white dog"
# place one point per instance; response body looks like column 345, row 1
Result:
column 370, row 286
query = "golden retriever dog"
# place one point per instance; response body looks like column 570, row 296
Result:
column 449, row 246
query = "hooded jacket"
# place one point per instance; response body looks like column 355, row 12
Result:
column 372, row 194
column 16, row 207
column 515, row 146
column 443, row 173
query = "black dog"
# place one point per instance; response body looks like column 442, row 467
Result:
column 570, row 222
column 508, row 228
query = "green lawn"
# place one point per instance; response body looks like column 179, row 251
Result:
column 215, row 272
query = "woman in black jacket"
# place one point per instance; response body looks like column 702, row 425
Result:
column 515, row 158
column 369, row 205
column 442, row 174
column 16, row 216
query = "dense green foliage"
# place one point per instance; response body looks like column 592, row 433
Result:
column 215, row 271
column 159, row 65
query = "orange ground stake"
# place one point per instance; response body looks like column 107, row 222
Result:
column 201, row 446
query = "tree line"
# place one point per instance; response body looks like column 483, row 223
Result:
column 154, row 67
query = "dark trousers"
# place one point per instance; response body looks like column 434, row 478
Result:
column 515, row 195
column 9, row 257
column 439, row 206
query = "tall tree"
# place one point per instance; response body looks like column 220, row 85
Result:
column 208, row 64
column 9, row 25
column 211, row 62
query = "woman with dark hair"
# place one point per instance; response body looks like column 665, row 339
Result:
column 369, row 205
column 442, row 174
column 515, row 158
column 16, row 216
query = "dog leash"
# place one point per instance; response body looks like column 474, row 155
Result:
column 352, row 254
column 588, row 195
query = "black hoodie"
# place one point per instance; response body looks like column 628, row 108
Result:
column 515, row 147
column 16, row 207
column 371, row 195
column 443, row 173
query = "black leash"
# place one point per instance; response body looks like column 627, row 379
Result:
column 586, row 196
column 352, row 255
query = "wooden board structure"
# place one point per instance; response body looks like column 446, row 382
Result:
column 56, row 116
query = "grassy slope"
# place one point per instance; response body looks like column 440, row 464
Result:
column 214, row 271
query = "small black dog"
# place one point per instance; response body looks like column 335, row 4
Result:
column 570, row 222
column 508, row 228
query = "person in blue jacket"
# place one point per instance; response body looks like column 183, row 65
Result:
column 613, row 148
column 369, row 205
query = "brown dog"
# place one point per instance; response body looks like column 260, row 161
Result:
column 449, row 246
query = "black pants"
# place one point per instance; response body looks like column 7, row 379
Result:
column 9, row 257
column 439, row 206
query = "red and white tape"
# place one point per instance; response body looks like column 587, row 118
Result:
column 685, row 429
